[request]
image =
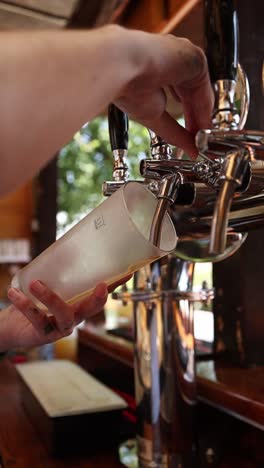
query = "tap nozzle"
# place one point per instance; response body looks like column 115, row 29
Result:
column 167, row 195
column 234, row 168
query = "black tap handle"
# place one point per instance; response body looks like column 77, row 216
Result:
column 221, row 35
column 118, row 128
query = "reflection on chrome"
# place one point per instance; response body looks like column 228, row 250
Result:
column 165, row 380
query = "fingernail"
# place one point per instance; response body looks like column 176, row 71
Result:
column 37, row 287
column 13, row 293
column 101, row 291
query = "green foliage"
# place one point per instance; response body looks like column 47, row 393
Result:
column 87, row 161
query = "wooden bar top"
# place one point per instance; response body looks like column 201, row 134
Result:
column 235, row 390
column 20, row 445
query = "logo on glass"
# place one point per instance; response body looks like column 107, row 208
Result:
column 99, row 222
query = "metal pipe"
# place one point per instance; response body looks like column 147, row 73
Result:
column 165, row 379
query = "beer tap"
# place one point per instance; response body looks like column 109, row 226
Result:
column 221, row 31
column 169, row 184
column 213, row 201
column 216, row 201
column 118, row 133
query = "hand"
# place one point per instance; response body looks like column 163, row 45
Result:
column 23, row 324
column 130, row 68
column 178, row 65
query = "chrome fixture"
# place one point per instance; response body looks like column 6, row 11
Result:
column 213, row 201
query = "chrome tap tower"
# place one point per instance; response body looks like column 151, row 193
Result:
column 217, row 199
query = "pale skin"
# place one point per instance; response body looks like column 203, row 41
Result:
column 51, row 83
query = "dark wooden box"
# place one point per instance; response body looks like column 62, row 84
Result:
column 73, row 434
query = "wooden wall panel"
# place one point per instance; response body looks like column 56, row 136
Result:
column 190, row 26
column 147, row 15
column 16, row 211
column 14, row 19
column 5, row 280
column 181, row 17
column 62, row 8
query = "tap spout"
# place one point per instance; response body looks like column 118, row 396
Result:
column 167, row 195
column 233, row 171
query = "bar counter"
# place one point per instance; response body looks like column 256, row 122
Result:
column 234, row 390
column 20, row 445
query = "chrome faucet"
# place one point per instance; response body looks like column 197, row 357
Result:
column 213, row 202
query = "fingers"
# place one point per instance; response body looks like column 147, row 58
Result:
column 193, row 87
column 62, row 312
column 197, row 107
column 40, row 321
column 167, row 128
column 64, row 317
column 143, row 105
column 189, row 61
column 182, row 67
column 92, row 304
column 195, row 91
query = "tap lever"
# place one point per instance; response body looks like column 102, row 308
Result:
column 206, row 171
column 118, row 133
column 221, row 31
column 221, row 28
column 118, row 128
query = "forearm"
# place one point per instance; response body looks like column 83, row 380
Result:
column 51, row 83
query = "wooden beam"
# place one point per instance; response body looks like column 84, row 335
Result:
column 16, row 212
column 179, row 13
